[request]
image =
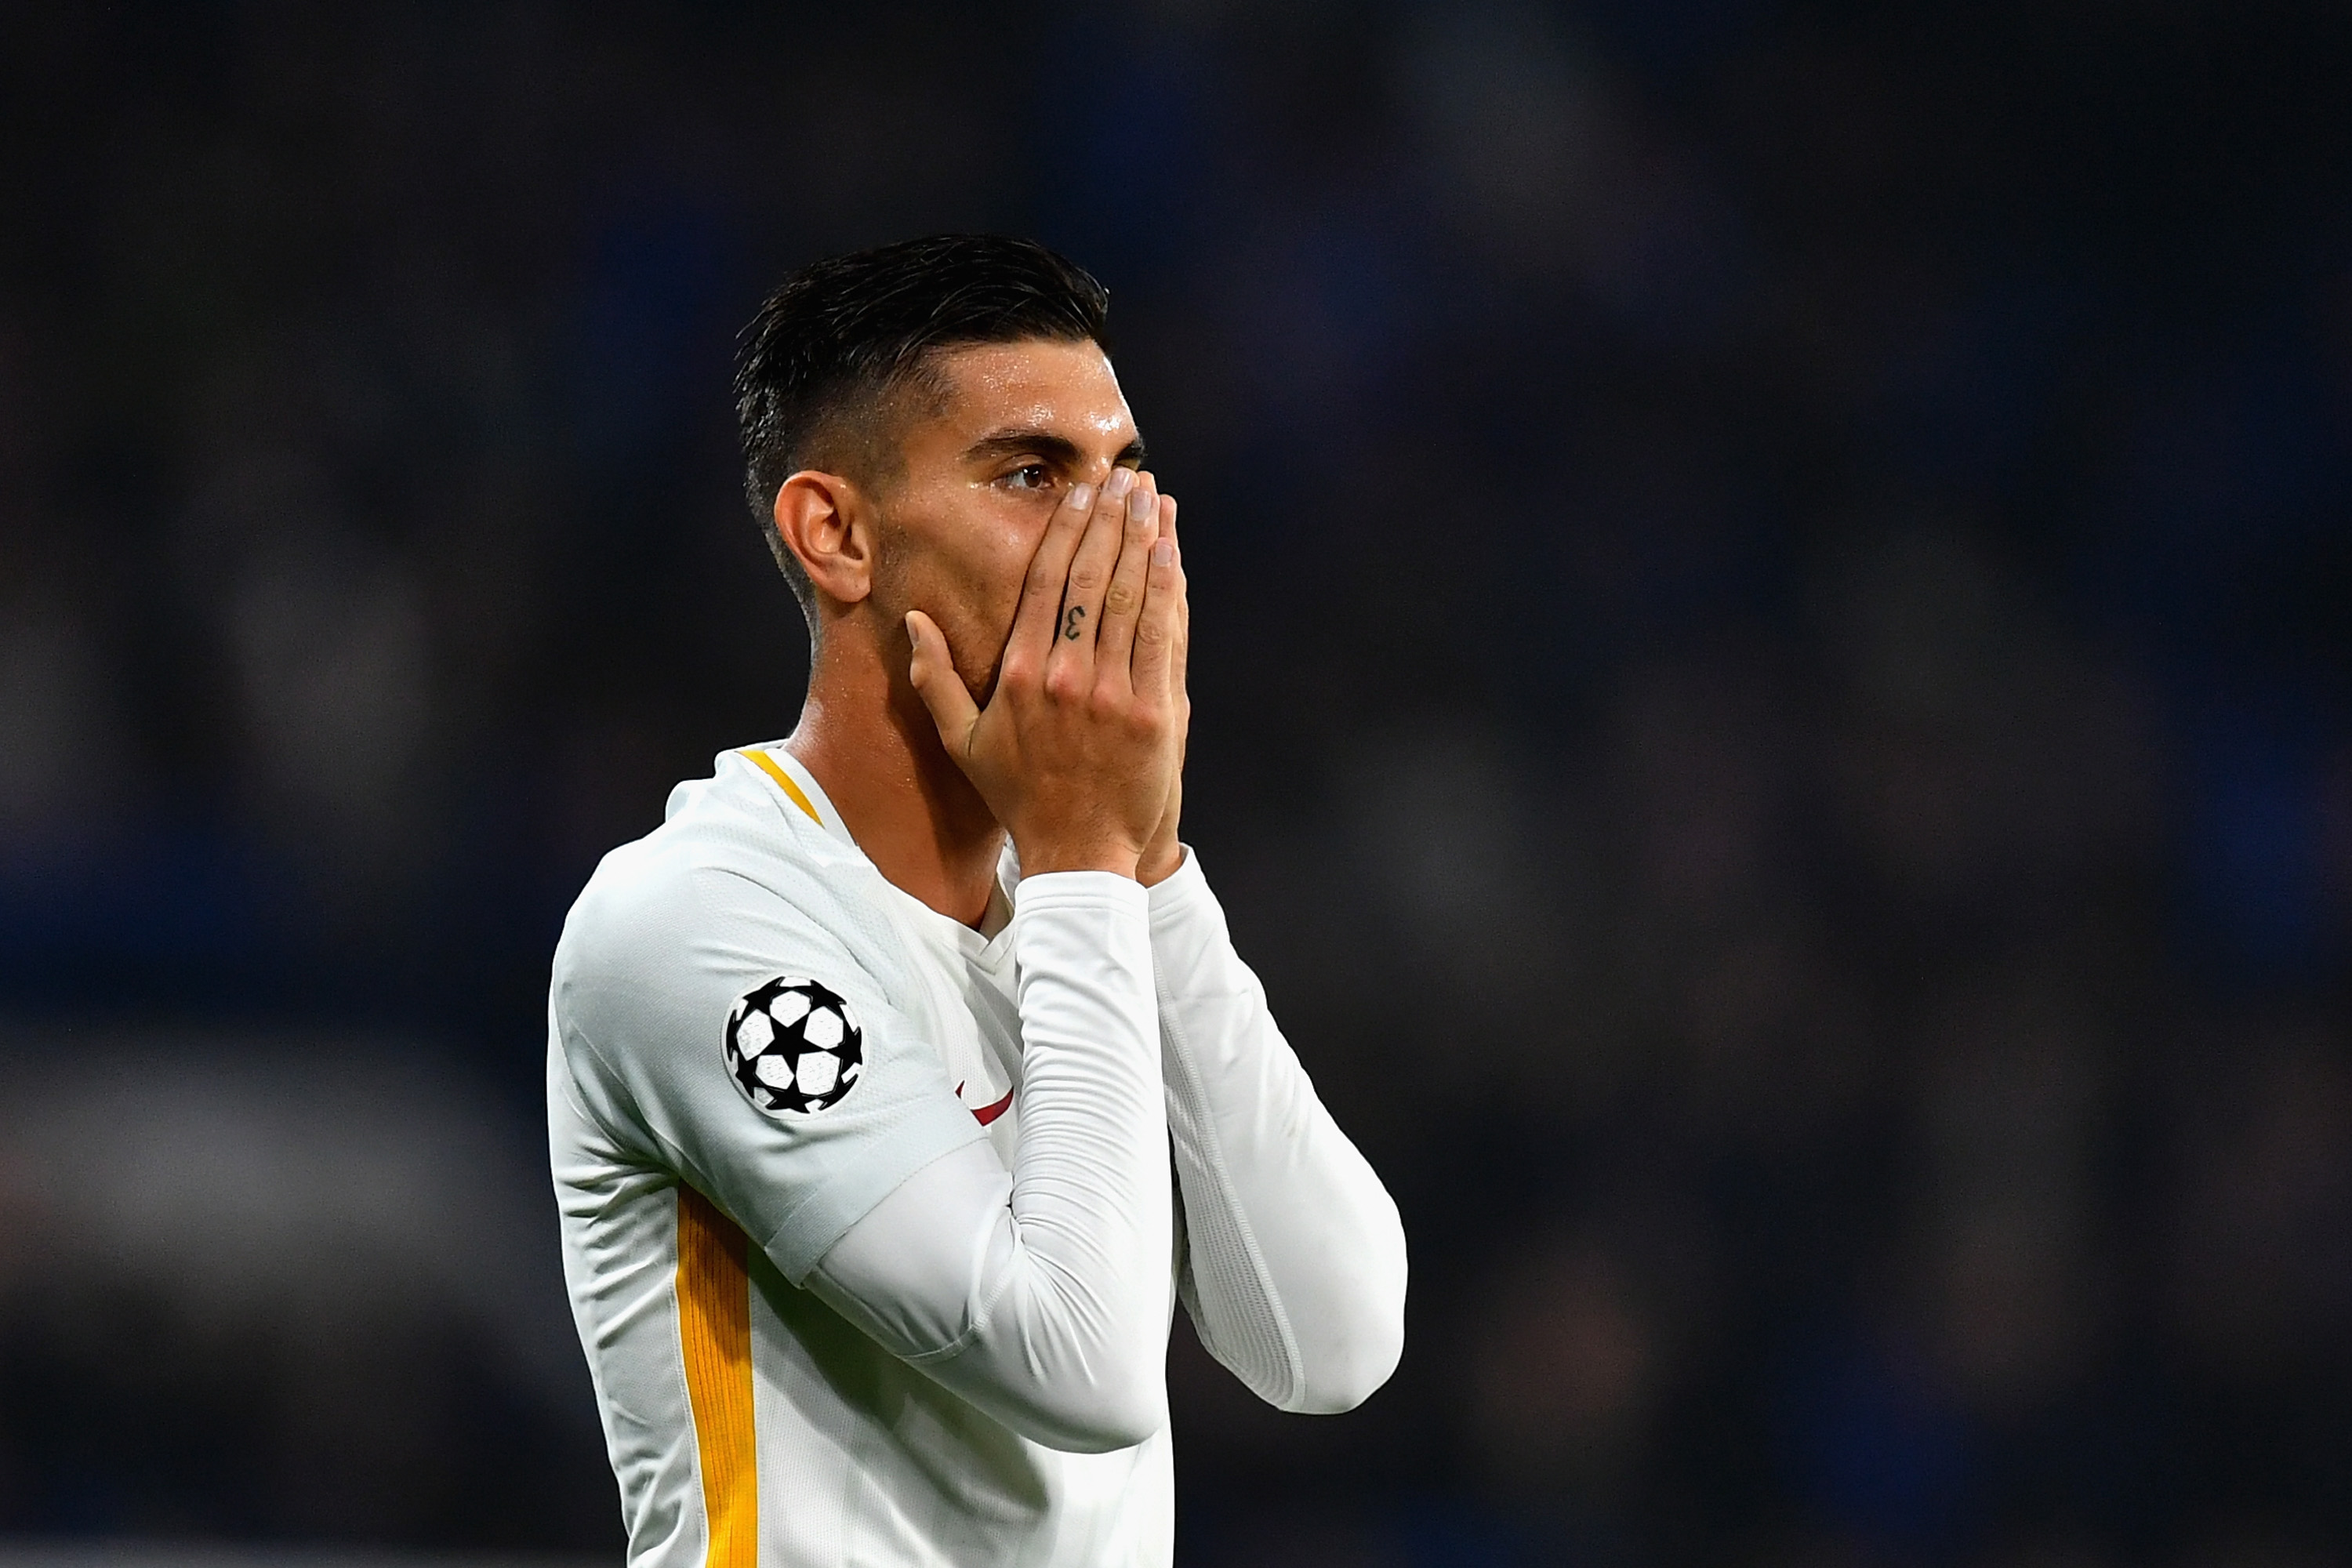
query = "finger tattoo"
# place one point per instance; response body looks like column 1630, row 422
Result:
column 1070, row 622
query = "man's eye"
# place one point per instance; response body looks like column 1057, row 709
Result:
column 1030, row 477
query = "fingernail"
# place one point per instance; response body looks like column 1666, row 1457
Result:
column 1140, row 505
column 1082, row 496
column 1163, row 553
column 1121, row 480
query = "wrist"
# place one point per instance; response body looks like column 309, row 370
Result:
column 1159, row 863
column 1038, row 857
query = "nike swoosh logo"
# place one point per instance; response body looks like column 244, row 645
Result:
column 987, row 1113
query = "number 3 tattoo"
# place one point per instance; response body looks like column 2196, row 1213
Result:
column 1070, row 622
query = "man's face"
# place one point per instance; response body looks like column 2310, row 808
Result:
column 982, row 473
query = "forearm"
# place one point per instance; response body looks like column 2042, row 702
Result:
column 1297, row 1256
column 1041, row 1294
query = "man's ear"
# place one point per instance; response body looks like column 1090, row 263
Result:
column 824, row 521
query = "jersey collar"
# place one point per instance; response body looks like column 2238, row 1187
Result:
column 807, row 797
column 799, row 787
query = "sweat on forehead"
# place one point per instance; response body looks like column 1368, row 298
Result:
column 1056, row 401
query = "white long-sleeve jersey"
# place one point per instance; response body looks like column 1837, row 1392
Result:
column 869, row 1217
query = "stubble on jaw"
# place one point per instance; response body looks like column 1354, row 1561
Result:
column 926, row 393
column 976, row 651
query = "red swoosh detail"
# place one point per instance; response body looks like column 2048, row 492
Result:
column 988, row 1113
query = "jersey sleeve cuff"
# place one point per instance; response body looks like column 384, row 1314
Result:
column 1182, row 893
column 1106, row 890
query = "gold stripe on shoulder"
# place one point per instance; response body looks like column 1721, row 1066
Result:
column 767, row 764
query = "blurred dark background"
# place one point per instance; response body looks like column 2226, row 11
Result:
column 1773, row 703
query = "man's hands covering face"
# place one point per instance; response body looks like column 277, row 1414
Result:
column 1080, row 750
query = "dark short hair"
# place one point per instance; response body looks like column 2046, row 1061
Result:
column 841, row 337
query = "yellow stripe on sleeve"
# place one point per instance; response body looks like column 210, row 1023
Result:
column 767, row 766
column 714, row 1331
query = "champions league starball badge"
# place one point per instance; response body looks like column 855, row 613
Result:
column 795, row 1046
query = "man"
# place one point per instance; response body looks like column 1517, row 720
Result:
column 901, row 1082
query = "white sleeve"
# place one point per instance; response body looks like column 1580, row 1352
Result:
column 682, row 986
column 1294, row 1271
column 1041, row 1294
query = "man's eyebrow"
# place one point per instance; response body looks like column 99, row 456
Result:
column 1060, row 450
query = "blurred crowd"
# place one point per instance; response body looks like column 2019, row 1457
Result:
column 1773, row 703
